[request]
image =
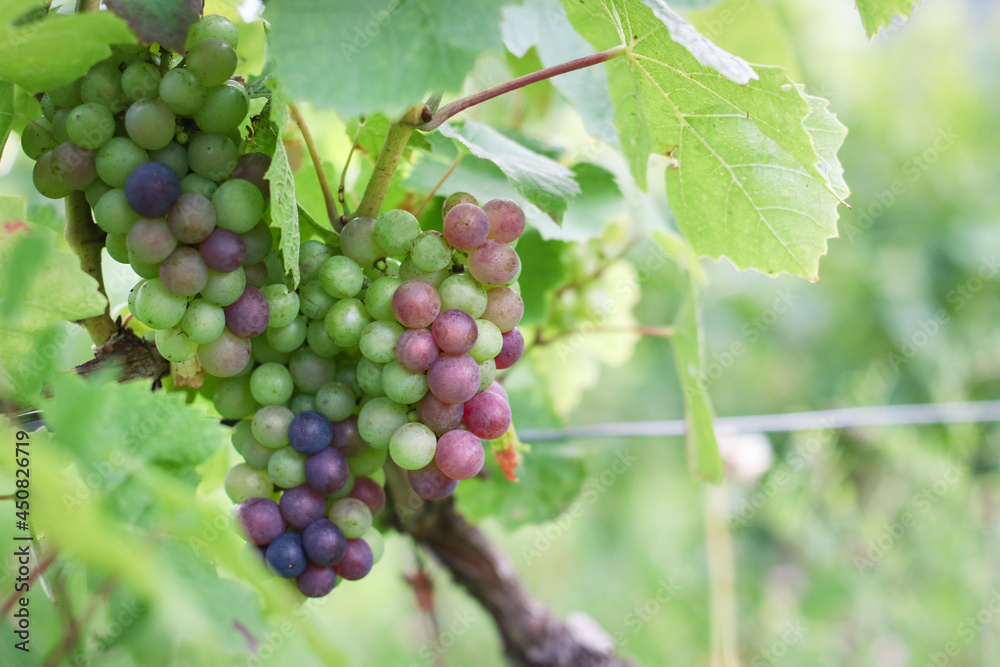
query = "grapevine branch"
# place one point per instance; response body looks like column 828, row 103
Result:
column 86, row 240
column 385, row 166
column 532, row 635
column 324, row 185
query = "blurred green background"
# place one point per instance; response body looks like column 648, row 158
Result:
column 869, row 546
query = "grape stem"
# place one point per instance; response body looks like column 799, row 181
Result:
column 342, row 190
column 447, row 111
column 86, row 240
column 87, row 6
column 385, row 166
column 430, row 195
column 43, row 565
column 324, row 185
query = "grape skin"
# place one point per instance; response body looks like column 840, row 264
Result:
column 454, row 378
column 415, row 304
column 460, row 455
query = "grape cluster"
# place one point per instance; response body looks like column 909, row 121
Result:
column 388, row 348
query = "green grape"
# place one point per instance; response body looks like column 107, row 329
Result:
column 487, row 373
column 310, row 371
column 335, row 401
column 127, row 54
column 113, row 214
column 319, row 340
column 455, row 199
column 376, row 543
column 288, row 338
column 37, row 138
column 314, row 302
column 395, row 231
column 232, row 398
column 140, row 80
column 401, row 385
column 255, row 454
column 117, row 159
column 243, row 483
column 357, row 241
column 287, row 468
column 271, row 384
column 182, row 91
column 90, row 126
column 59, row 120
column 378, row 341
column 224, row 108
column 431, row 252
column 264, row 353
column 238, row 205
column 409, row 271
column 212, row 156
column 117, row 247
column 95, row 191
column 345, row 321
column 283, row 304
column 174, row 156
column 352, row 516
column 347, row 372
column 49, row 107
column 203, row 321
column 367, row 462
column 103, row 85
column 142, row 269
column 412, row 446
column 67, row 96
column 156, row 307
column 132, row 294
column 312, row 254
column 302, row 402
column 378, row 298
column 174, row 344
column 488, row 342
column 275, row 267
column 214, row 25
column 223, row 289
column 369, row 377
column 242, row 434
column 259, row 242
column 212, row 60
column 197, row 184
column 462, row 292
column 46, row 179
column 341, row 277
column 270, row 425
column 378, row 420
column 150, row 124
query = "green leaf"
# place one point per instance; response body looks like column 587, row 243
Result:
column 165, row 22
column 263, row 138
column 81, row 40
column 284, row 211
column 746, row 179
column 878, row 13
column 543, row 24
column 540, row 180
column 542, row 271
column 359, row 58
column 703, row 451
column 6, row 112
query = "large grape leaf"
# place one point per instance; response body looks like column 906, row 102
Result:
column 165, row 22
column 539, row 179
column 81, row 40
column 878, row 13
column 747, row 179
column 284, row 211
column 359, row 57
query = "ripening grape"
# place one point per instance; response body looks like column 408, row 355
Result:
column 253, row 167
column 459, row 455
column 462, row 292
column 454, row 378
column 302, row 505
column 504, row 308
column 225, row 356
column 412, row 446
column 270, row 425
column 152, row 189
column 487, row 415
column 327, row 471
column 285, row 556
column 357, row 561
column 466, row 226
column 416, row 350
column 324, row 542
column 370, row 493
column 415, row 304
column 191, row 219
column 352, row 516
column 174, row 156
column 260, row 520
column 454, row 331
column 506, row 219
column 183, row 272
column 223, row 250
column 430, row 483
column 357, row 241
column 494, row 263
column 248, row 315
column 513, row 348
column 438, row 416
column 455, row 199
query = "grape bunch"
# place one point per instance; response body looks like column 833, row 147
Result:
column 388, row 348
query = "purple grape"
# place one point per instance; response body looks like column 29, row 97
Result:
column 357, row 562
column 506, row 219
column 466, row 226
column 256, row 274
column 498, row 389
column 487, row 415
column 437, row 416
column 324, row 542
column 150, row 241
column 302, row 505
column 248, row 315
column 430, row 483
column 260, row 520
column 454, row 378
column 74, row 167
column 370, row 492
column 252, row 167
column 454, row 331
column 223, row 250
column 225, row 356
column 316, row 581
column 310, row 432
column 416, row 350
column 494, row 263
column 184, row 272
column 327, row 471
column 513, row 348
column 415, row 304
column 192, row 218
column 346, row 437
column 459, row 455
column 285, row 556
column 151, row 189
column 504, row 308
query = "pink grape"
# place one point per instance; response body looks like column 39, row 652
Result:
column 504, row 308
column 454, row 378
column 513, row 348
column 416, row 350
column 459, row 454
column 454, row 331
column 437, row 416
column 430, row 483
column 248, row 315
column 494, row 263
column 466, row 226
column 487, row 415
column 506, row 219
column 415, row 304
